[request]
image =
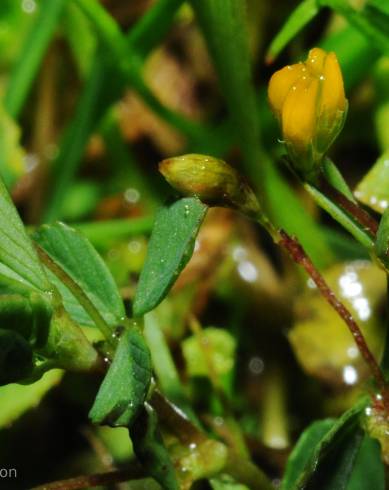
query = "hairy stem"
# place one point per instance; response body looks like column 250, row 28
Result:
column 96, row 480
column 351, row 208
column 296, row 251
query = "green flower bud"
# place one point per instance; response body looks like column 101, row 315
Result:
column 212, row 180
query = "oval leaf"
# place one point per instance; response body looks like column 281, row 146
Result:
column 124, row 388
column 74, row 253
column 369, row 469
column 18, row 260
column 170, row 248
column 328, row 463
column 301, row 453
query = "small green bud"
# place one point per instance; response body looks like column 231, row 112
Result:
column 212, row 180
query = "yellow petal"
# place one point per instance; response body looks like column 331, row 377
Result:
column 332, row 96
column 315, row 61
column 299, row 113
column 280, row 84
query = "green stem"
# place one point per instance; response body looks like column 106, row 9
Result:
column 164, row 365
column 275, row 433
column 241, row 469
column 244, row 471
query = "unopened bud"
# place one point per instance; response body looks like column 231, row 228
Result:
column 212, row 180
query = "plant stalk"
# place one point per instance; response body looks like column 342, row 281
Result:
column 297, row 253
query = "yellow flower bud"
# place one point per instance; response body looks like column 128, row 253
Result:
column 211, row 180
column 309, row 102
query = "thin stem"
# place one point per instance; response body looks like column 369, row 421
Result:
column 359, row 214
column 244, row 471
column 164, row 365
column 241, row 469
column 96, row 480
column 296, row 251
column 275, row 430
column 78, row 292
column 175, row 419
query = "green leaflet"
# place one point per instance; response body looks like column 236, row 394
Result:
column 369, row 470
column 336, row 468
column 18, row 260
column 373, row 189
column 330, row 462
column 16, row 399
column 77, row 257
column 151, row 451
column 125, row 386
column 301, row 453
column 170, row 248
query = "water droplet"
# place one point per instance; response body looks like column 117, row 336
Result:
column 118, row 331
column 256, row 365
column 134, row 246
column 29, row 6
column 350, row 375
column 131, row 195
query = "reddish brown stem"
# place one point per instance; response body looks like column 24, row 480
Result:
column 98, row 479
column 351, row 208
column 298, row 254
